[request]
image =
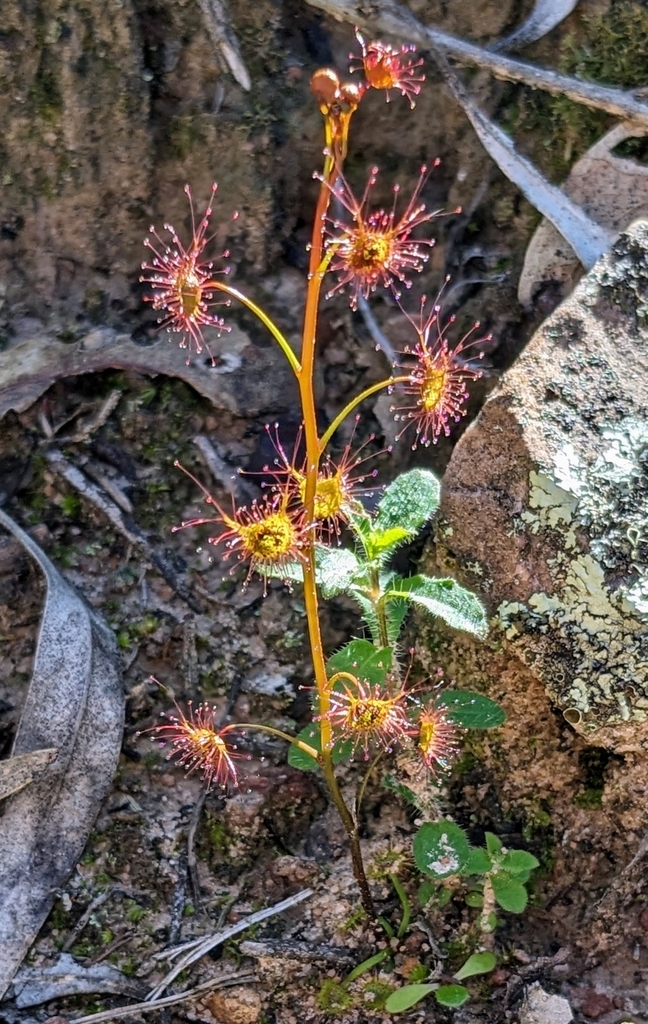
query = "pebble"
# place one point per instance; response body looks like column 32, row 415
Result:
column 540, row 1007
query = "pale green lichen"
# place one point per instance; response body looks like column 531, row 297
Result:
column 588, row 638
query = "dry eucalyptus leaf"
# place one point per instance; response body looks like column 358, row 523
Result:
column 33, row 986
column 613, row 190
column 544, row 17
column 29, row 366
column 75, row 704
column 18, row 772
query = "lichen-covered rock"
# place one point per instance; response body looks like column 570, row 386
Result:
column 545, row 504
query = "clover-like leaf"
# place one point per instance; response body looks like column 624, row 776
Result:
column 363, row 660
column 311, row 735
column 478, row 863
column 471, row 710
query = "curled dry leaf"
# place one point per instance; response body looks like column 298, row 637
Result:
column 611, row 189
column 75, row 704
column 544, row 17
column 33, row 986
column 30, row 365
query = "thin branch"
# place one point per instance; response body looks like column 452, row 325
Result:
column 206, row 944
column 243, row 978
column 387, row 16
column 120, row 521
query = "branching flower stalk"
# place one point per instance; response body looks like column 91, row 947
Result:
column 361, row 703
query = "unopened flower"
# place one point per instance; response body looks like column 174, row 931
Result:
column 339, row 484
column 182, row 281
column 269, row 535
column 437, row 381
column 198, row 745
column 377, row 248
column 437, row 739
column 368, row 714
column 386, row 67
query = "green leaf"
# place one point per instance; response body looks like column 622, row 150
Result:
column 452, row 995
column 493, row 844
column 367, row 965
column 426, row 891
column 362, row 659
column 478, row 863
column 407, row 996
column 509, row 892
column 441, row 848
column 519, row 862
column 471, row 710
column 446, row 599
column 336, row 569
column 475, row 900
column 478, row 963
column 297, row 758
column 409, row 502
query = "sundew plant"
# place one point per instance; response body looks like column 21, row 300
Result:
column 311, row 528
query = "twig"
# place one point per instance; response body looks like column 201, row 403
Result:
column 587, row 238
column 112, row 947
column 205, row 945
column 232, row 481
column 97, row 902
column 126, row 526
column 303, row 951
column 243, row 978
column 389, row 17
column 92, row 423
column 192, row 866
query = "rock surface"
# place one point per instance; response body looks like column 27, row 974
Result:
column 545, row 504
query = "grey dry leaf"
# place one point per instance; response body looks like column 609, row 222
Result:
column 544, row 17
column 611, row 189
column 18, row 772
column 75, row 704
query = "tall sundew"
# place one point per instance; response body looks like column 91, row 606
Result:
column 386, row 67
column 376, row 247
column 268, row 535
column 197, row 744
column 181, row 280
column 368, row 714
column 437, row 380
column 341, row 482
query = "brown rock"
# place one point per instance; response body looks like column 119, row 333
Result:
column 595, row 1004
column 238, row 1005
column 545, row 497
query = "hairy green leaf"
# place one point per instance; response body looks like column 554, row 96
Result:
column 519, row 862
column 409, row 502
column 406, row 997
column 381, row 543
column 471, row 710
column 478, row 863
column 478, row 963
column 509, row 892
column 441, row 848
column 336, row 569
column 452, row 995
column 493, row 844
column 446, row 599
